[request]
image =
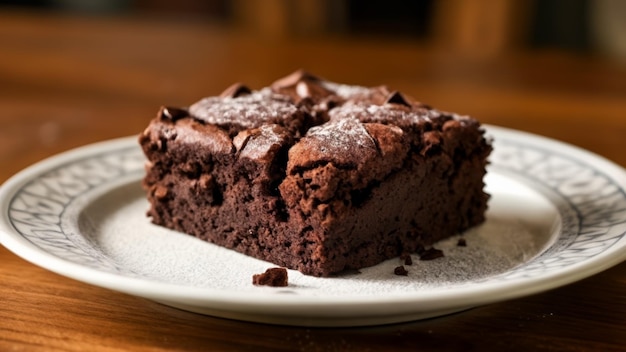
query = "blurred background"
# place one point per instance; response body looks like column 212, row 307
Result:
column 72, row 71
column 486, row 26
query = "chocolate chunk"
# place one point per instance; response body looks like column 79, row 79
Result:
column 172, row 114
column 235, row 91
column 397, row 98
column 400, row 271
column 293, row 79
column 461, row 242
column 307, row 89
column 431, row 254
column 302, row 86
column 275, row 277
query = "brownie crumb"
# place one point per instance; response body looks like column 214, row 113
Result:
column 406, row 257
column 431, row 254
column 400, row 271
column 275, row 277
column 461, row 242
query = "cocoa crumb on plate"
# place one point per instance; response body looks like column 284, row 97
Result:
column 400, row 271
column 431, row 253
column 275, row 277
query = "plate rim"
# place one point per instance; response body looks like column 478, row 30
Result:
column 472, row 295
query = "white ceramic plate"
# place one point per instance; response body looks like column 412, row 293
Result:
column 557, row 215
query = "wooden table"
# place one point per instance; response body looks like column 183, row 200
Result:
column 66, row 82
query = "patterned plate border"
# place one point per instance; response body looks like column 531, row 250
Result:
column 37, row 210
column 592, row 204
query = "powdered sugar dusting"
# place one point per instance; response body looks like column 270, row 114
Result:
column 261, row 143
column 342, row 136
column 248, row 111
column 382, row 114
column 344, row 90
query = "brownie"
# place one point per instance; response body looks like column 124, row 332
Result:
column 314, row 175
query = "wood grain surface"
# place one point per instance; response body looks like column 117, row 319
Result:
column 68, row 81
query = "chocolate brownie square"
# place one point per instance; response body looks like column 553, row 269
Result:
column 314, row 175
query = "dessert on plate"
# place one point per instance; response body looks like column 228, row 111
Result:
column 314, row 175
